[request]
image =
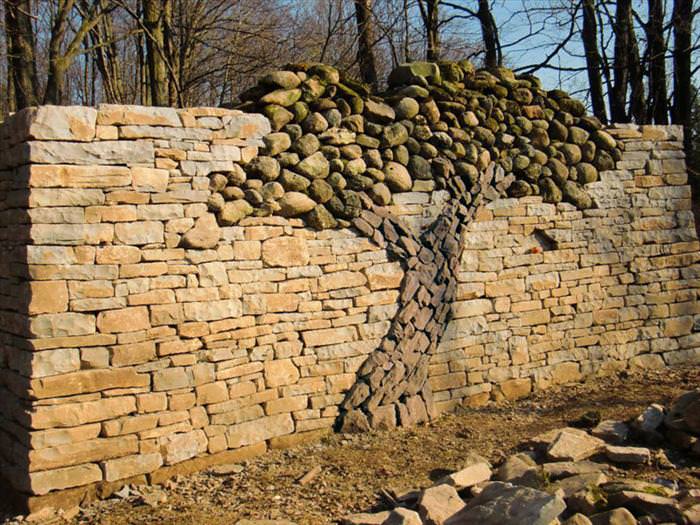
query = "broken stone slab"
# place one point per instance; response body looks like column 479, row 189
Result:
column 520, row 469
column 506, row 504
column 365, row 518
column 437, row 504
column 477, row 470
column 401, row 516
column 573, row 484
column 571, row 444
column 634, row 485
column 619, row 516
column 588, row 501
column 661, row 508
column 612, row 431
column 74, row 123
column 564, row 469
column 634, row 455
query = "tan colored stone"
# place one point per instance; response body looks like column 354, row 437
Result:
column 48, row 297
column 67, row 176
column 74, row 123
column 62, row 325
column 124, row 320
column 44, row 482
column 383, row 276
column 180, row 447
column 76, row 414
column 82, row 452
column 259, row 430
column 150, row 179
column 280, row 372
column 87, row 381
column 139, row 233
column 120, row 115
column 329, row 336
column 285, row 251
column 339, row 280
column 204, row 235
column 127, row 467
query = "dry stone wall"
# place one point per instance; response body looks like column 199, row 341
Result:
column 140, row 338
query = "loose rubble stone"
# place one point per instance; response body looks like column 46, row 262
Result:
column 503, row 504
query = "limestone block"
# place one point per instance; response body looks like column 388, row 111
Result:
column 44, row 482
column 212, row 310
column 259, row 430
column 280, row 372
column 87, row 381
column 62, row 324
column 67, row 176
column 90, row 153
column 71, row 234
column 76, row 414
column 171, row 379
column 126, row 467
column 121, row 115
column 47, row 297
column 74, row 123
column 53, row 362
column 123, row 320
column 82, row 452
column 140, row 233
column 180, row 447
column 329, row 336
column 205, row 233
column 285, row 251
column 150, row 179
column 383, row 276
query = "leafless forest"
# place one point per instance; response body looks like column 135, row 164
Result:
column 631, row 60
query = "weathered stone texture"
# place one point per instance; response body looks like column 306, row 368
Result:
column 127, row 313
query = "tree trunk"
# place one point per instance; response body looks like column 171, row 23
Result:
column 20, row 60
column 623, row 27
column 658, row 107
column 489, row 32
column 431, row 23
column 155, row 46
column 589, row 36
column 682, row 43
column 636, row 74
column 365, row 42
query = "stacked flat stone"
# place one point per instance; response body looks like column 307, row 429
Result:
column 336, row 149
column 337, row 155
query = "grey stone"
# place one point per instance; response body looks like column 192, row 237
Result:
column 505, row 504
column 438, row 504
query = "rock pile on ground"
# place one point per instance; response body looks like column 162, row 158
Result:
column 566, row 476
column 336, row 148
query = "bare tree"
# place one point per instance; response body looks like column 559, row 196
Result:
column 658, row 105
column 682, row 75
column 20, row 52
column 589, row 36
column 365, row 41
column 154, row 25
column 429, row 12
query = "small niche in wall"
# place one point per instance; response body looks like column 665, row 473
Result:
column 545, row 241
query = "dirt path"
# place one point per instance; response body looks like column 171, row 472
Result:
column 354, row 468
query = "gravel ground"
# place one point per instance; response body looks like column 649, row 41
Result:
column 354, row 468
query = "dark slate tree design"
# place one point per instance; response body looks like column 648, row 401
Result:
column 338, row 153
